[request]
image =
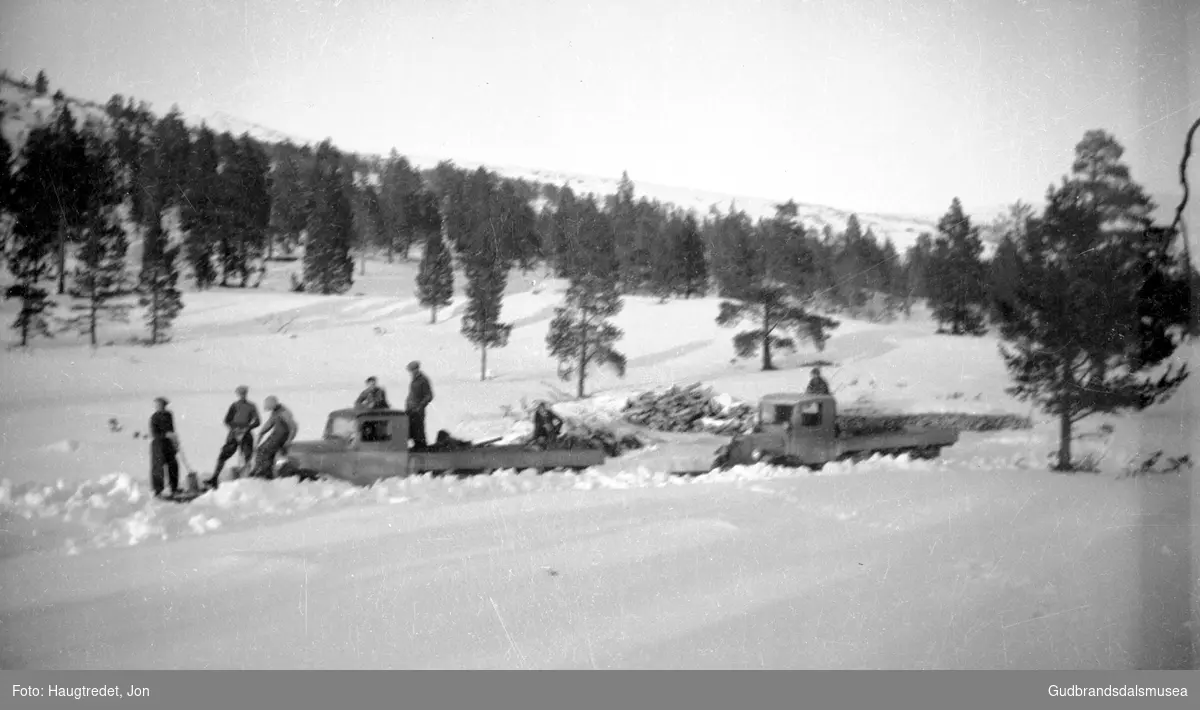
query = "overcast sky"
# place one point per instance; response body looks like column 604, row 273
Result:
column 874, row 105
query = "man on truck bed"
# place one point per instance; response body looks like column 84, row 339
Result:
column 547, row 425
column 817, row 384
column 373, row 397
column 242, row 419
column 281, row 428
column 420, row 394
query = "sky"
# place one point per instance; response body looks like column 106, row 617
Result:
column 875, row 105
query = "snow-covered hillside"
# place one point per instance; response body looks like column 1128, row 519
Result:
column 23, row 110
column 981, row 558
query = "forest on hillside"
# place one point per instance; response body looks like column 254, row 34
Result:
column 1087, row 294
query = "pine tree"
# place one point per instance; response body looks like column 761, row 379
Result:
column 581, row 335
column 956, row 276
column 754, row 281
column 100, row 276
column 158, row 285
column 1092, row 319
column 485, row 266
column 41, row 84
column 435, row 279
column 328, row 263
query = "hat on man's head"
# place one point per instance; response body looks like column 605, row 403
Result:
column 242, row 390
column 161, row 399
column 414, row 366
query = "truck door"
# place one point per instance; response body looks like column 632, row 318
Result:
column 381, row 450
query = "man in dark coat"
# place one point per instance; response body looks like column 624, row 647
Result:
column 163, row 450
column 373, row 397
column 817, row 384
column 547, row 425
column 420, row 394
column 241, row 419
column 276, row 434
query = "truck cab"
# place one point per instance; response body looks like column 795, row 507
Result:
column 796, row 428
column 793, row 429
column 357, row 445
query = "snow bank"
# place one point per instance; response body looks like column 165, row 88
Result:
column 116, row 510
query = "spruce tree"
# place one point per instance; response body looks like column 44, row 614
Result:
column 956, row 277
column 158, row 285
column 200, row 217
column 581, row 335
column 691, row 274
column 290, row 196
column 36, row 227
column 6, row 177
column 65, row 190
column 485, row 265
column 328, row 262
column 101, row 277
column 435, row 279
column 173, row 159
column 41, row 84
column 1099, row 302
column 916, row 270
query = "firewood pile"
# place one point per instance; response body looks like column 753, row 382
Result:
column 687, row 409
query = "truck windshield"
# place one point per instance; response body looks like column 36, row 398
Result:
column 778, row 413
column 341, row 428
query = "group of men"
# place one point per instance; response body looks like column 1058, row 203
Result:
column 420, row 394
column 241, row 419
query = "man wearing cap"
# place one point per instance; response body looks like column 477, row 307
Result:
column 241, row 419
column 817, row 384
column 420, row 394
column 162, row 449
column 278, row 432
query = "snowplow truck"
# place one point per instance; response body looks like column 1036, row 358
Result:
column 364, row 446
column 792, row 429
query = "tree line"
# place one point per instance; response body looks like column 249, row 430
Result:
column 1089, row 296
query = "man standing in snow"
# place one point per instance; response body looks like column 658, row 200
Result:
column 163, row 449
column 420, row 394
column 278, row 432
column 817, row 384
column 242, row 419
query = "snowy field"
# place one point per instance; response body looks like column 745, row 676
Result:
column 979, row 559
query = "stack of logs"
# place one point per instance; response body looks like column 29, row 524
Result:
column 687, row 409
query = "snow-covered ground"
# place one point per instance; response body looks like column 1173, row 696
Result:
column 981, row 558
